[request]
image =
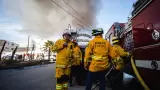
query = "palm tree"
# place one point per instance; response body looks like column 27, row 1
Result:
column 48, row 45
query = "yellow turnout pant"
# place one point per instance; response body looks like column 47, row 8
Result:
column 62, row 77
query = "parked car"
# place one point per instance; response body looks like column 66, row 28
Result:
column 52, row 58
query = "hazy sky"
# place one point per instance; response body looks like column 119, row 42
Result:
column 44, row 20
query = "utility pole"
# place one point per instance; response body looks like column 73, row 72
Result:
column 27, row 54
column 69, row 27
column 32, row 51
column 28, row 44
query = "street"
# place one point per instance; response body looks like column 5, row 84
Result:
column 30, row 78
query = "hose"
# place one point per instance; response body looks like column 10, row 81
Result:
column 138, row 75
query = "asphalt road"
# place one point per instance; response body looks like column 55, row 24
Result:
column 31, row 78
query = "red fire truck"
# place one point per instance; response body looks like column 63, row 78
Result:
column 141, row 35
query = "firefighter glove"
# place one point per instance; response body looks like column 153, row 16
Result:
column 86, row 66
column 65, row 44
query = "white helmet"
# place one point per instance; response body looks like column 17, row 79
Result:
column 66, row 32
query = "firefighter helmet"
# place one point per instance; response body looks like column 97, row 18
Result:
column 97, row 31
column 66, row 33
column 115, row 40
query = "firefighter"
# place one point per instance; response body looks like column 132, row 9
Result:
column 76, row 68
column 63, row 47
column 96, row 54
column 119, row 52
column 118, row 62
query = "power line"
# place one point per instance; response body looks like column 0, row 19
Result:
column 75, row 11
column 69, row 13
column 80, row 25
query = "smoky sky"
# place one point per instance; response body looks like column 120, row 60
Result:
column 43, row 18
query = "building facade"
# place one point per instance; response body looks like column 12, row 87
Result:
column 116, row 29
column 9, row 46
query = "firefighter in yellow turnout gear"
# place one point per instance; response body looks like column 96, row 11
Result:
column 118, row 52
column 76, row 68
column 96, row 54
column 63, row 47
column 77, row 55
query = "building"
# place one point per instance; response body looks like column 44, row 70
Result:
column 9, row 46
column 115, row 29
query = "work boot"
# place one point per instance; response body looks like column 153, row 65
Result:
column 70, row 84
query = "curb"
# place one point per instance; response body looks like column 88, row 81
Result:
column 21, row 65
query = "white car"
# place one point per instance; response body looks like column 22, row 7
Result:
column 52, row 58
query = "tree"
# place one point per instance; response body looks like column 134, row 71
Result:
column 48, row 46
column 2, row 49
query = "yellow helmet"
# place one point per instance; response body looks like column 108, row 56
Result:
column 115, row 40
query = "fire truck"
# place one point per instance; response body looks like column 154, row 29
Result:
column 141, row 36
column 82, row 36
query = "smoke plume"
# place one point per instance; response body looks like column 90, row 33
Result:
column 43, row 18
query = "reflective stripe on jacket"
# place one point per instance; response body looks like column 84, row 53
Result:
column 100, row 58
